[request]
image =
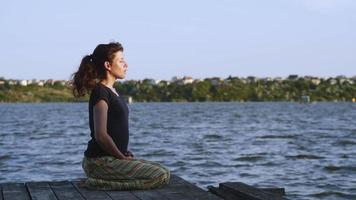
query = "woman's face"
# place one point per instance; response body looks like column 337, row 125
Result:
column 118, row 66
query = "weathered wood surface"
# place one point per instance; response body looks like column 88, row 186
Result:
column 247, row 192
column 14, row 191
column 225, row 195
column 178, row 188
column 231, row 194
column 65, row 190
column 40, row 190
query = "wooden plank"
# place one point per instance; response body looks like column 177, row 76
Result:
column 172, row 193
column 175, row 190
column 178, row 187
column 223, row 194
column 248, row 192
column 15, row 191
column 197, row 194
column 174, row 196
column 148, row 194
column 166, row 192
column 122, row 195
column 177, row 179
column 227, row 195
column 90, row 194
column 64, row 190
column 174, row 182
column 159, row 193
column 40, row 191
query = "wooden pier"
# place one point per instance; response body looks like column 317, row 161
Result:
column 177, row 188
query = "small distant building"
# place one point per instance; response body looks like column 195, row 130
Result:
column 12, row 82
column 34, row 82
column 49, row 82
column 175, row 78
column 40, row 83
column 197, row 80
column 278, row 79
column 332, row 81
column 163, row 83
column 243, row 80
column 341, row 77
column 227, row 81
column 314, row 80
column 267, row 79
column 2, row 82
column 343, row 80
column 150, row 81
column 215, row 81
column 62, row 83
column 187, row 80
column 23, row 83
column 292, row 77
column 251, row 79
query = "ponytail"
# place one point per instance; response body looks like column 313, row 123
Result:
column 85, row 78
column 91, row 69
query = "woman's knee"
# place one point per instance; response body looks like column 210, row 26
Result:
column 166, row 177
column 163, row 173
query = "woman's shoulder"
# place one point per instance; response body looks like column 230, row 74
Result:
column 99, row 86
column 100, row 90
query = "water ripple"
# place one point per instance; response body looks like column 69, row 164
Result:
column 306, row 148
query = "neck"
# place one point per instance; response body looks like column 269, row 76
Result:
column 109, row 82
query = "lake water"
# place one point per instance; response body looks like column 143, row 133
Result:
column 310, row 149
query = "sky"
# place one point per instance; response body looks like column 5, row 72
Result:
column 198, row 38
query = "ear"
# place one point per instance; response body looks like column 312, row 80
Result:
column 107, row 65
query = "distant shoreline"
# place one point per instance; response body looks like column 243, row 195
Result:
column 231, row 89
column 179, row 102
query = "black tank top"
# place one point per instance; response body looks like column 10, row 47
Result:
column 117, row 121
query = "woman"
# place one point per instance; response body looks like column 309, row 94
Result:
column 107, row 162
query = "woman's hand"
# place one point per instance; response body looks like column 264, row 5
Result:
column 129, row 158
column 129, row 153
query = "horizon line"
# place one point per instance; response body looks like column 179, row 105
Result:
column 191, row 77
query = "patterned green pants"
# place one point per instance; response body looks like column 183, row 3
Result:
column 109, row 173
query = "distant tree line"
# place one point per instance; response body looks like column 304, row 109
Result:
column 236, row 89
column 209, row 89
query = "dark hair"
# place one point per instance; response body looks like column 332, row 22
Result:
column 91, row 69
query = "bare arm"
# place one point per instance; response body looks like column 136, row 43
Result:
column 100, row 130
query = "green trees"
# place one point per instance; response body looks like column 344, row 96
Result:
column 209, row 89
column 201, row 91
column 239, row 89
